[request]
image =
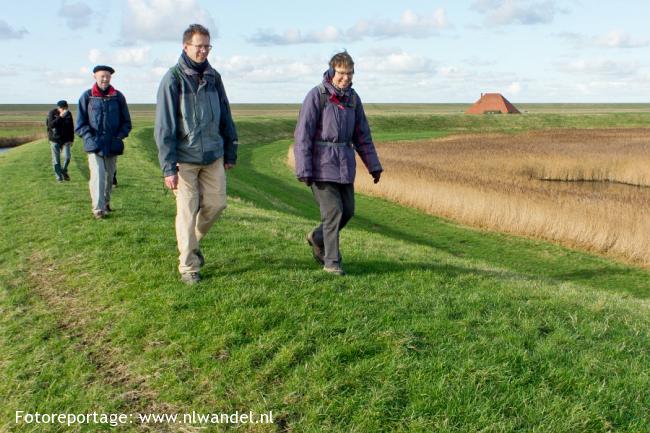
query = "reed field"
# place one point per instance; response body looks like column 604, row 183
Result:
column 584, row 188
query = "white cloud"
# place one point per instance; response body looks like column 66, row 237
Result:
column 156, row 20
column 267, row 37
column 8, row 71
column 401, row 63
column 451, row 72
column 8, row 32
column 159, row 71
column 526, row 12
column 612, row 39
column 514, row 88
column 476, row 61
column 600, row 67
column 410, row 25
column 166, row 60
column 598, row 88
column 620, row 39
column 95, row 55
column 396, row 61
column 70, row 82
column 136, row 56
column 76, row 14
column 266, row 69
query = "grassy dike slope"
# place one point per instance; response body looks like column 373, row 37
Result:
column 436, row 328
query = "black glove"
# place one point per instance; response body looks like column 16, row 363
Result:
column 306, row 180
column 375, row 175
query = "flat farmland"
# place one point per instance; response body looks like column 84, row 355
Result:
column 436, row 326
column 587, row 188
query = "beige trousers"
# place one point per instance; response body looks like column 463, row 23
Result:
column 200, row 199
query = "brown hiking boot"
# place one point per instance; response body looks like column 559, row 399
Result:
column 316, row 249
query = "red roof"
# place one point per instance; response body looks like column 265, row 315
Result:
column 492, row 103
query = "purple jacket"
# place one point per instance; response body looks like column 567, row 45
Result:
column 325, row 142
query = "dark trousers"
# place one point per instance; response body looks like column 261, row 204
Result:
column 336, row 201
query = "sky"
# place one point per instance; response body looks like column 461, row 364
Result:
column 532, row 51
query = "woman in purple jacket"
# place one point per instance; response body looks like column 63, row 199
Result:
column 331, row 127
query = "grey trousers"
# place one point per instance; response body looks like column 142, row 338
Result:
column 336, row 201
column 101, row 180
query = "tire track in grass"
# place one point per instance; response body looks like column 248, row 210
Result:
column 74, row 319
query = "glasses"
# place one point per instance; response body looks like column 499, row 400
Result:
column 346, row 73
column 202, row 47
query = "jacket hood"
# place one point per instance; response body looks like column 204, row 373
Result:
column 327, row 82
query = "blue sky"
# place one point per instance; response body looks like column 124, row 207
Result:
column 275, row 51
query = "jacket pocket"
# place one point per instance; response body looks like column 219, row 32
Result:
column 90, row 145
column 117, row 146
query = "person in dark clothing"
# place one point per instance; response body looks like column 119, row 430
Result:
column 332, row 125
column 60, row 132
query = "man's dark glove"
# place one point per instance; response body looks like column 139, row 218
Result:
column 306, row 180
column 375, row 175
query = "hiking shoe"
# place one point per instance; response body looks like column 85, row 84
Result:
column 99, row 215
column 59, row 179
column 316, row 250
column 334, row 270
column 190, row 278
column 66, row 177
column 199, row 254
column 108, row 208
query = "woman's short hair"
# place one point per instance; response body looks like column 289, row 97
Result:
column 192, row 30
column 342, row 59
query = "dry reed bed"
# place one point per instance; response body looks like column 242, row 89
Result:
column 17, row 141
column 584, row 188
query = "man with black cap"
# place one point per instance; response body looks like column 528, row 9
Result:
column 197, row 142
column 60, row 132
column 103, row 121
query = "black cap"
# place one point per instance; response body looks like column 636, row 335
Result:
column 103, row 68
column 62, row 104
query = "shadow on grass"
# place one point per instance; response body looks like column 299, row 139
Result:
column 273, row 187
column 80, row 159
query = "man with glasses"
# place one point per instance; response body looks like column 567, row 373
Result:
column 197, row 142
column 332, row 125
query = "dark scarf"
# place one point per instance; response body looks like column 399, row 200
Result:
column 198, row 67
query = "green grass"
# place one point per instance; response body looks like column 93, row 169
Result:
column 437, row 327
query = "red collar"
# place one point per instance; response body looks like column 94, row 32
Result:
column 96, row 92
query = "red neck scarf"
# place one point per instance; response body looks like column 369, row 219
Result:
column 95, row 91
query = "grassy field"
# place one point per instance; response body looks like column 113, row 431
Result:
column 437, row 327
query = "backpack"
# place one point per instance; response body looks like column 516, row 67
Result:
column 177, row 75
